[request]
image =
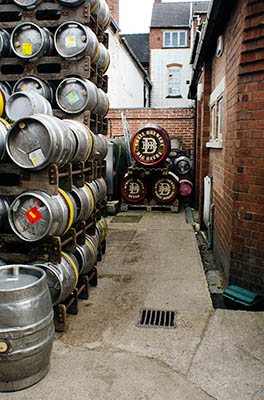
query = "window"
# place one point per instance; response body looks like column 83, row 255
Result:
column 216, row 112
column 174, row 82
column 175, row 39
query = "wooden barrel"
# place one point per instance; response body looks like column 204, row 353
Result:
column 150, row 145
column 133, row 188
column 26, row 329
column 165, row 188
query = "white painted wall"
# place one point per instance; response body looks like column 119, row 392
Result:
column 160, row 58
column 125, row 80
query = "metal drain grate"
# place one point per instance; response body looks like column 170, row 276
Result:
column 156, row 318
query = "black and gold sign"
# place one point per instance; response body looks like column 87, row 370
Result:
column 149, row 145
column 164, row 189
column 133, row 189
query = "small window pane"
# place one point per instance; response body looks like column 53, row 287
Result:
column 167, row 39
column 174, row 81
column 219, row 127
column 182, row 38
column 174, row 38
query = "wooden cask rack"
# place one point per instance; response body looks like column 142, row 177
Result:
column 149, row 206
column 139, row 169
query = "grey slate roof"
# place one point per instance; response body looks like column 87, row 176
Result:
column 175, row 14
column 139, row 43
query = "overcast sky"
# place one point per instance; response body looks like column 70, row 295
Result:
column 135, row 15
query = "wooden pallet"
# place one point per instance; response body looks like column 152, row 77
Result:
column 51, row 68
column 49, row 14
column 138, row 169
column 16, row 180
column 12, row 248
column 150, row 206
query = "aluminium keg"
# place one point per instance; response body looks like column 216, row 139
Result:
column 182, row 165
column 185, row 188
column 103, row 58
column 99, row 189
column 73, row 41
column 4, row 126
column 30, row 42
column 134, row 188
column 84, row 200
column 26, row 329
column 6, row 87
column 35, row 215
column 74, row 95
column 150, row 145
column 102, row 106
column 5, row 48
column 84, row 140
column 103, row 15
column 71, row 3
column 61, row 278
column 165, row 188
column 87, row 255
column 25, row 104
column 94, row 6
column 4, row 209
column 28, row 4
column 4, row 96
column 101, row 230
column 100, row 148
column 36, row 142
column 40, row 86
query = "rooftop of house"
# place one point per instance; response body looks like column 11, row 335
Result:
column 139, row 43
column 175, row 14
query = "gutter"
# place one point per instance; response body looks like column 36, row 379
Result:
column 133, row 55
column 214, row 25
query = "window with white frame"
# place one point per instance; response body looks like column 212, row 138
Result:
column 216, row 120
column 174, row 82
column 175, row 39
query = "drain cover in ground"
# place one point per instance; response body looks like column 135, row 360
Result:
column 126, row 219
column 156, row 318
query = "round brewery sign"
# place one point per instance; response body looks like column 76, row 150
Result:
column 133, row 188
column 164, row 189
column 150, row 145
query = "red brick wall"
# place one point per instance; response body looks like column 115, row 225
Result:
column 178, row 122
column 114, row 9
column 156, row 37
column 238, row 168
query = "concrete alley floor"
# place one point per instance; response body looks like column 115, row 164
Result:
column 210, row 354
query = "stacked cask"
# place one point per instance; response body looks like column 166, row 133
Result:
column 53, row 101
column 156, row 179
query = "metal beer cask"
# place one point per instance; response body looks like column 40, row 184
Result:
column 100, row 148
column 40, row 86
column 102, row 106
column 26, row 103
column 185, row 188
column 99, row 189
column 150, row 145
column 182, row 165
column 30, row 42
column 5, row 48
column 74, row 40
column 101, row 230
column 103, row 58
column 133, row 188
column 61, row 278
column 74, row 95
column 36, row 142
column 27, row 329
column 35, row 215
column 4, row 126
column 84, row 140
column 84, row 200
column 87, row 255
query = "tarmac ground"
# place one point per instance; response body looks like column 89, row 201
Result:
column 152, row 262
